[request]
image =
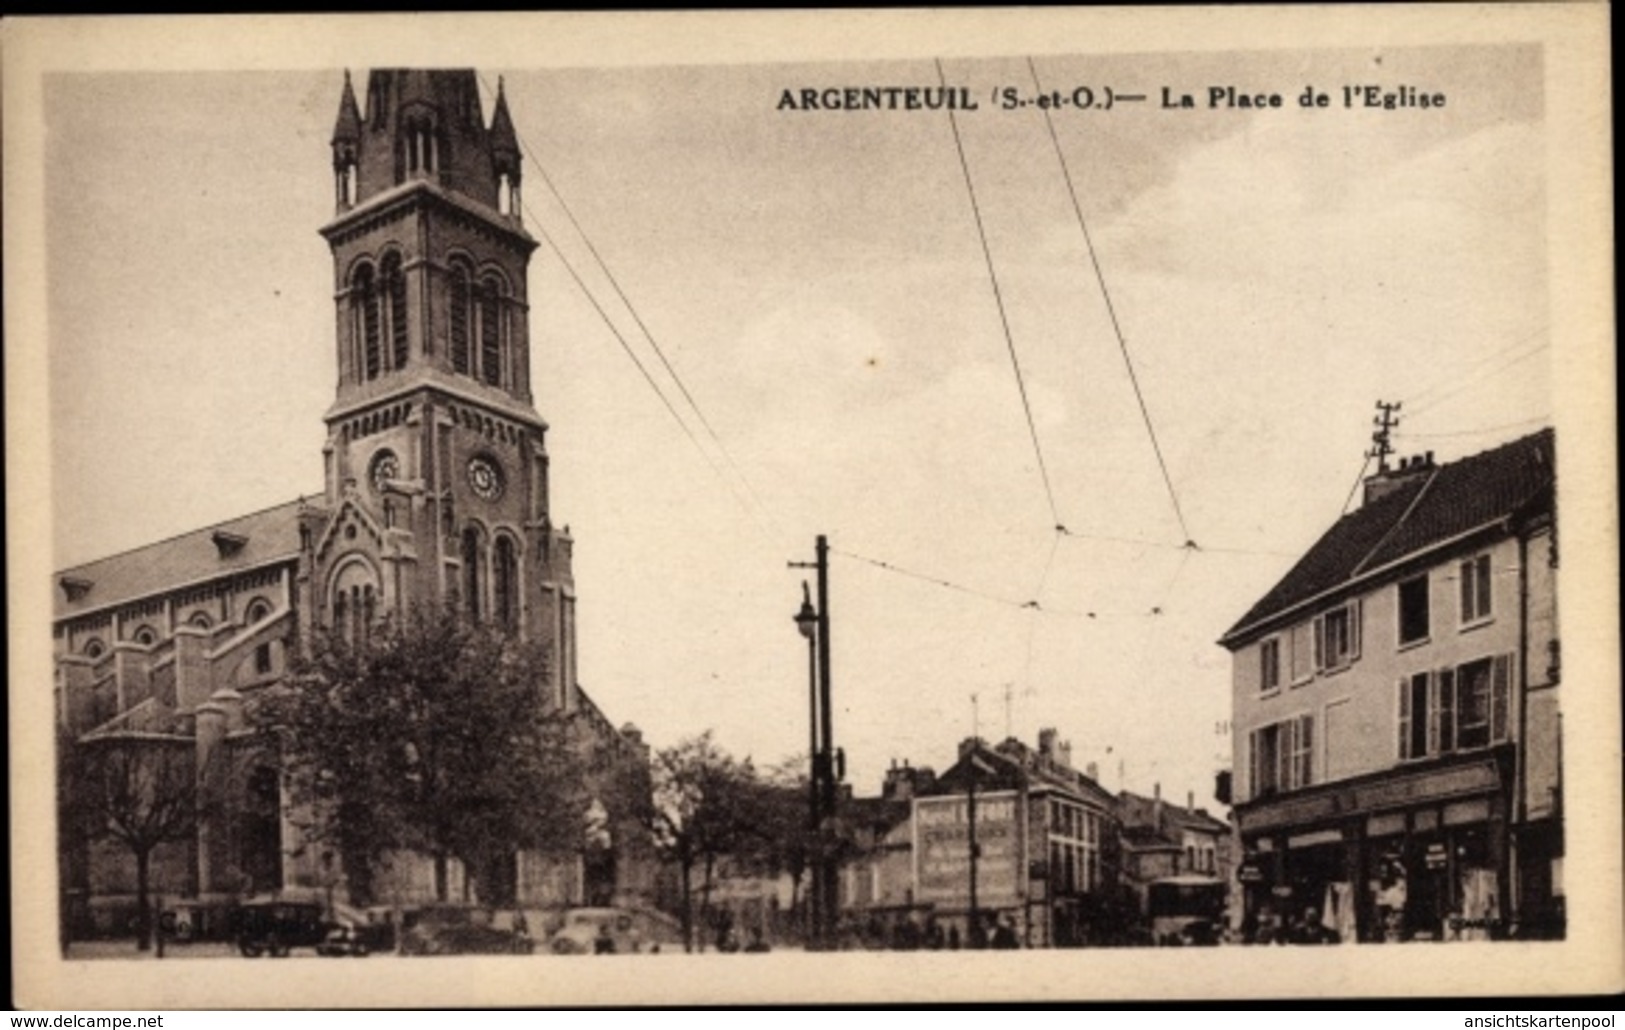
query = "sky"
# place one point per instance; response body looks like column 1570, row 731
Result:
column 818, row 281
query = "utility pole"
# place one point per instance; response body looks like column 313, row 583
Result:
column 1386, row 423
column 974, row 929
column 825, row 774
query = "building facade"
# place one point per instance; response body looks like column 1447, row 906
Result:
column 1161, row 840
column 1012, row 835
column 436, row 493
column 1395, row 696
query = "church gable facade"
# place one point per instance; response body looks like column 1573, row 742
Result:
column 435, row 494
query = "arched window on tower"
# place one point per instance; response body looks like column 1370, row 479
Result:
column 341, row 616
column 354, row 601
column 505, row 576
column 490, row 304
column 473, row 573
column 395, row 294
column 461, row 298
column 364, row 311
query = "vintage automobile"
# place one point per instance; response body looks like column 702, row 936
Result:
column 1186, row 909
column 448, row 930
column 358, row 932
column 619, row 931
column 273, row 927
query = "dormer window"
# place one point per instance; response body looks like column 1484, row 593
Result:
column 228, row 544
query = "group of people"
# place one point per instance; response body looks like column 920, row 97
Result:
column 995, row 932
column 1306, row 928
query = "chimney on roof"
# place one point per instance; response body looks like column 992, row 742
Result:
column 1386, row 480
column 1156, row 805
column 1092, row 771
column 1190, row 801
column 1046, row 742
column 902, row 781
column 1063, row 754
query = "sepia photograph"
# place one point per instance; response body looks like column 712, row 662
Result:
column 907, row 507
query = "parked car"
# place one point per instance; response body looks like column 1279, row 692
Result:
column 462, row 931
column 598, row 931
column 276, row 927
column 358, row 932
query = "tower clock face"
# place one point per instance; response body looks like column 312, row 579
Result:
column 385, row 466
column 485, row 478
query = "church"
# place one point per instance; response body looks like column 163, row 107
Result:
column 436, row 493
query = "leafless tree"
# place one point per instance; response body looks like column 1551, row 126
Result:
column 140, row 791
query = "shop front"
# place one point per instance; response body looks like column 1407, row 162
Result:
column 1419, row 853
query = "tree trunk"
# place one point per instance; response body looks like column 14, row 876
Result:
column 705, row 898
column 143, row 907
column 688, row 907
column 440, row 877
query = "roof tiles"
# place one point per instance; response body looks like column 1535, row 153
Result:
column 1449, row 501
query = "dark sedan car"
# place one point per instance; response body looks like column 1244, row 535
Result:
column 276, row 927
column 460, row 931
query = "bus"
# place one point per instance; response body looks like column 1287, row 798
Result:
column 1186, row 909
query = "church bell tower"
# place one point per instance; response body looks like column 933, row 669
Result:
column 436, row 459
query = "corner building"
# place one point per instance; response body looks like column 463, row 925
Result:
column 436, row 492
column 1395, row 698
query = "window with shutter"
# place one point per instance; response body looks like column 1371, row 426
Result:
column 1473, row 692
column 1474, row 575
column 1303, row 652
column 1303, row 752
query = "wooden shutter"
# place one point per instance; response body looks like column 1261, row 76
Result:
column 1447, row 710
column 1319, row 635
column 1356, row 617
column 1404, row 718
column 1500, row 696
column 1253, row 786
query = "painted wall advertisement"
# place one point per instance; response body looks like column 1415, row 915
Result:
column 942, row 850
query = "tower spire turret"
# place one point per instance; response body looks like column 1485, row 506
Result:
column 348, row 127
column 346, row 144
column 505, row 155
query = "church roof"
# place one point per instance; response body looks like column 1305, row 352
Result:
column 203, row 554
column 1450, row 501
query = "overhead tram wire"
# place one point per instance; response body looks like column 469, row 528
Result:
column 627, row 347
column 1111, row 309
column 1478, row 377
column 1456, row 377
column 1031, row 605
column 1359, row 478
column 1541, row 420
column 648, row 335
column 642, row 369
column 998, row 300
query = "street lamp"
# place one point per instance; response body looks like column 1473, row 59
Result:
column 807, row 624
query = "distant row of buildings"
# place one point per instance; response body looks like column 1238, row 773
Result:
column 1059, row 860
